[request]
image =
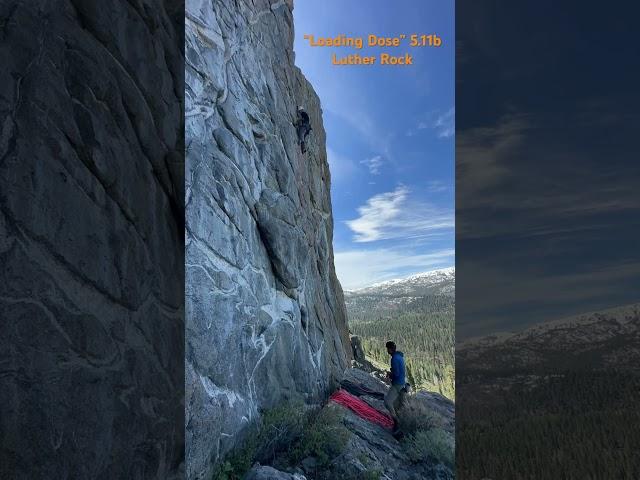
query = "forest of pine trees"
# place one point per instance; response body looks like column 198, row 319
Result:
column 552, row 428
column 423, row 329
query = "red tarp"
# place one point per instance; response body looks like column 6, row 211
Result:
column 362, row 408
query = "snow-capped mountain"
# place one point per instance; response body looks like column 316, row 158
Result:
column 420, row 292
column 590, row 340
column 435, row 282
column 560, row 389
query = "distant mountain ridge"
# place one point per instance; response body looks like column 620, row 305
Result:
column 589, row 340
column 621, row 314
column 434, row 282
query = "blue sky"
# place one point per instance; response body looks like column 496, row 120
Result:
column 548, row 209
column 390, row 137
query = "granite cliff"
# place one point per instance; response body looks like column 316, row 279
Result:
column 91, row 239
column 265, row 315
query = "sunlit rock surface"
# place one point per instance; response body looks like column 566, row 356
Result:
column 266, row 320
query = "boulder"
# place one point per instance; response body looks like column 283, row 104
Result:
column 440, row 404
column 365, row 380
column 270, row 473
column 359, row 359
column 358, row 351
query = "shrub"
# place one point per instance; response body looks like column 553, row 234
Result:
column 371, row 475
column 290, row 432
column 324, row 438
column 435, row 443
column 238, row 463
column 415, row 416
column 278, row 427
column 426, row 437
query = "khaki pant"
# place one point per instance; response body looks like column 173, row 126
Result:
column 392, row 399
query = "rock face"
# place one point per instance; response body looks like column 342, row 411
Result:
column 358, row 351
column 91, row 239
column 265, row 317
column 359, row 359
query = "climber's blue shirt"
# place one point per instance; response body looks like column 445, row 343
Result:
column 397, row 369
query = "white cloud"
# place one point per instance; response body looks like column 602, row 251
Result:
column 360, row 268
column 373, row 164
column 393, row 215
column 445, row 124
column 436, row 186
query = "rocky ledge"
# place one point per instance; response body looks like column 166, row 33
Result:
column 371, row 451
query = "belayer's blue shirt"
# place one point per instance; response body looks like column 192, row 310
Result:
column 397, row 369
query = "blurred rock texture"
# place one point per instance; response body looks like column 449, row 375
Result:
column 91, row 239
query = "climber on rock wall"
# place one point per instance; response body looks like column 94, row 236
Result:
column 303, row 127
column 396, row 391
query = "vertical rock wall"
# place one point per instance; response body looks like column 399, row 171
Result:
column 265, row 315
column 91, row 239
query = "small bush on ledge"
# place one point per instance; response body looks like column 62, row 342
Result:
column 324, row 438
column 434, row 443
column 278, row 428
column 286, row 435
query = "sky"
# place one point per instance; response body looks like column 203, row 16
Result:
column 547, row 192
column 390, row 137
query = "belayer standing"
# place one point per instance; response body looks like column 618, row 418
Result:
column 303, row 127
column 397, row 376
